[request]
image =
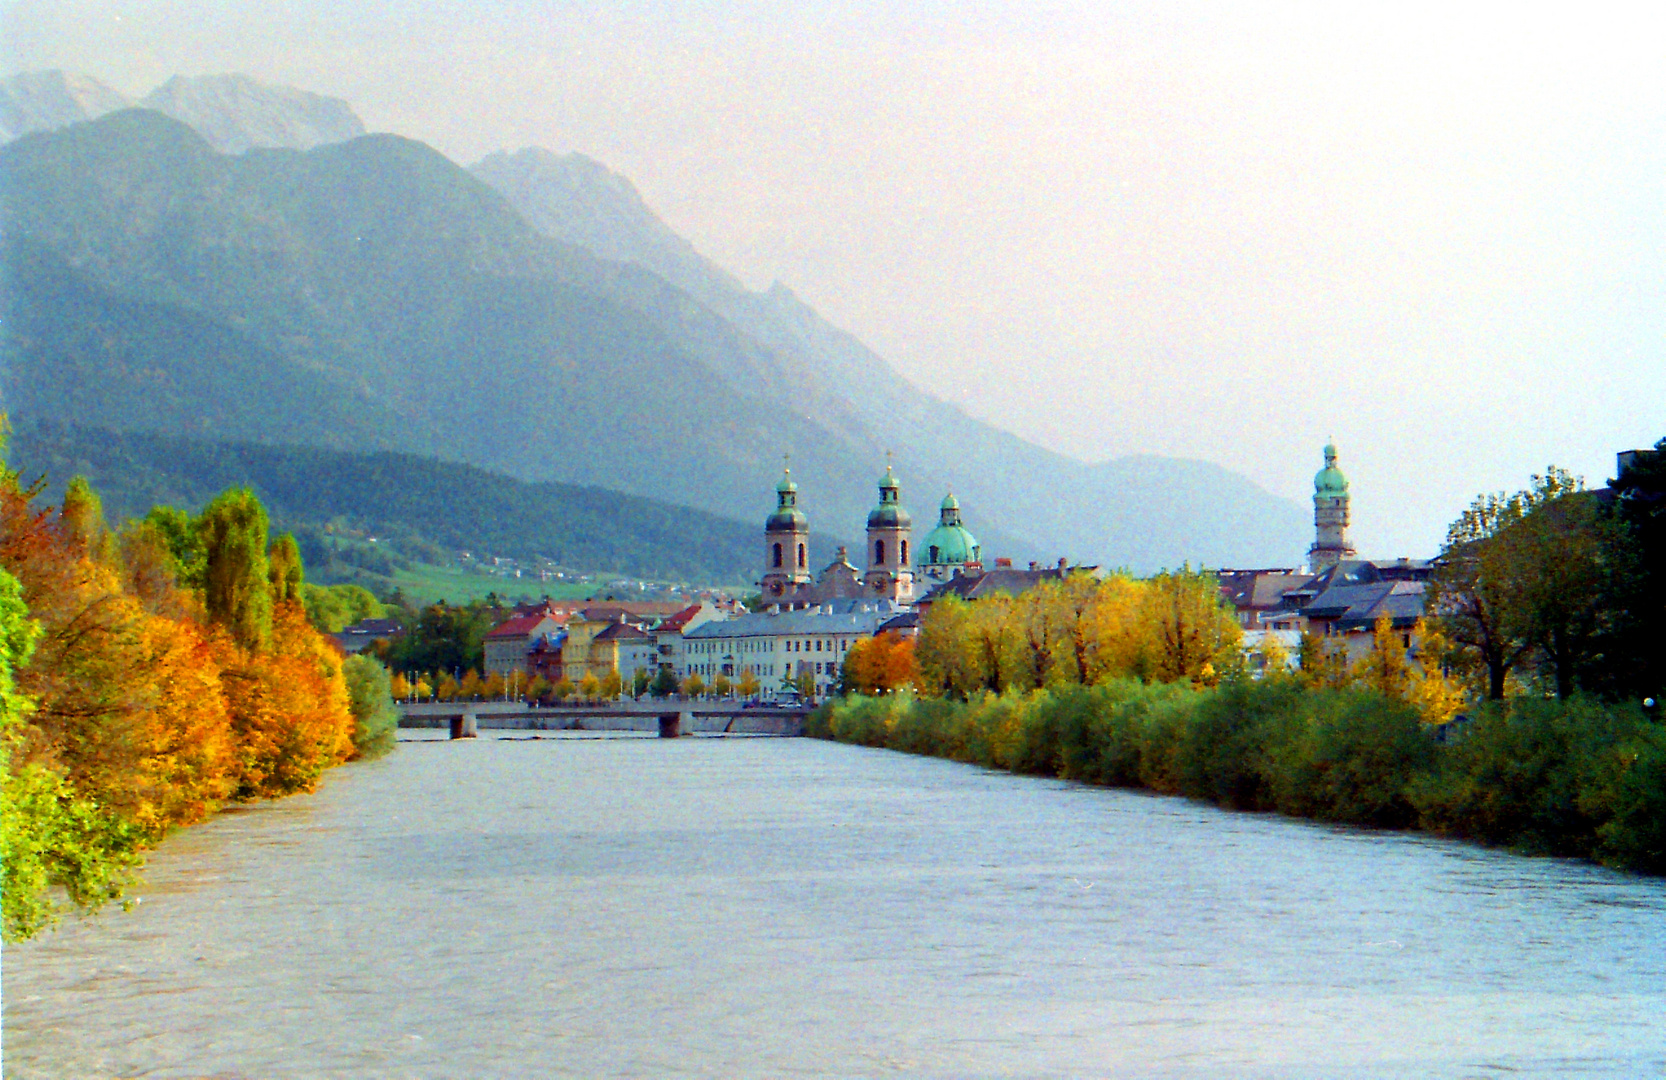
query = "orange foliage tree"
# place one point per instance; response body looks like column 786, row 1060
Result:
column 880, row 665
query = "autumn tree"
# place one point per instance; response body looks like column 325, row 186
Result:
column 1385, row 668
column 879, row 665
column 1186, row 630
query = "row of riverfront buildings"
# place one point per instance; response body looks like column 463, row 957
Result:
column 808, row 621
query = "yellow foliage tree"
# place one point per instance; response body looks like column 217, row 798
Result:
column 1385, row 668
column 589, row 686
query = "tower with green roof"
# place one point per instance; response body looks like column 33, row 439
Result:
column 1330, row 516
column 889, row 575
column 786, row 544
column 950, row 548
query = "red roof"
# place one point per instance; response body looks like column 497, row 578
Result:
column 680, row 619
column 521, row 626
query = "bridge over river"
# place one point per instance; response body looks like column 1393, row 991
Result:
column 668, row 717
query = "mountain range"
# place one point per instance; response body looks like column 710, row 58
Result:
column 239, row 262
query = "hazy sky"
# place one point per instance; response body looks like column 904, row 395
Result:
column 1437, row 233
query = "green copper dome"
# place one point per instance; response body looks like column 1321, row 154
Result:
column 1328, row 482
column 951, row 543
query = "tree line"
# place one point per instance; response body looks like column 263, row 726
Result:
column 149, row 675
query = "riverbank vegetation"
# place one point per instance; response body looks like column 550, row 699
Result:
column 1526, row 715
column 1576, row 778
column 148, row 676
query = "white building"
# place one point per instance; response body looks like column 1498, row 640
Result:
column 777, row 647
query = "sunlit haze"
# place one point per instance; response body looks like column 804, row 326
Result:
column 1435, row 233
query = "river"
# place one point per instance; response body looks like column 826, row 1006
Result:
column 620, row 907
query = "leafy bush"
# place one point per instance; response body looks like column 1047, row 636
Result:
column 369, row 695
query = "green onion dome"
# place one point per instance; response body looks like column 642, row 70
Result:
column 787, row 517
column 1328, row 482
column 889, row 514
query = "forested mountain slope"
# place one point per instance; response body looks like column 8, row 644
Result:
column 443, row 505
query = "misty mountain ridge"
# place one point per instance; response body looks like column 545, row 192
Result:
column 380, row 266
column 233, row 112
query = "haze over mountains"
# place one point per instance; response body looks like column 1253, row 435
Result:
column 264, row 271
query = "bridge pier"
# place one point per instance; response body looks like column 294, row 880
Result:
column 465, row 726
column 670, row 725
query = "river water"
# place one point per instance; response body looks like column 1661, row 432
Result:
column 587, row 907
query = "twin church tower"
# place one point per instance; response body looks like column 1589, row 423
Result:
column 889, row 574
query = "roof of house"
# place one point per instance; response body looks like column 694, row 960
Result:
column 1402, row 603
column 908, row 620
column 624, row 633
column 1003, row 580
column 680, row 619
column 375, row 627
column 834, row 617
column 519, row 626
column 1259, row 588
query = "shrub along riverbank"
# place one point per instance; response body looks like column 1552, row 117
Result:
column 1574, row 778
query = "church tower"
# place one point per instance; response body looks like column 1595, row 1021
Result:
column 786, row 545
column 1330, row 516
column 889, row 575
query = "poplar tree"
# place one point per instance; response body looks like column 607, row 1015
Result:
column 284, row 570
column 236, row 588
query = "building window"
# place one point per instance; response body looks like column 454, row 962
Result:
column 778, row 556
column 879, row 552
column 934, row 553
column 902, row 552
column 801, row 556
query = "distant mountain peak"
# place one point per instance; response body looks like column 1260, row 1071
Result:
column 47, row 100
column 236, row 113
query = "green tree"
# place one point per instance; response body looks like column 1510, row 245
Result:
column 1631, row 647
column 370, row 696
column 82, row 515
column 236, row 590
column 49, row 835
column 183, row 538
column 284, row 571
column 1499, row 586
column 665, row 683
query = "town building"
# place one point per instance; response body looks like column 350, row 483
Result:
column 779, row 646
column 668, row 635
column 1343, row 596
column 507, row 644
column 365, row 633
